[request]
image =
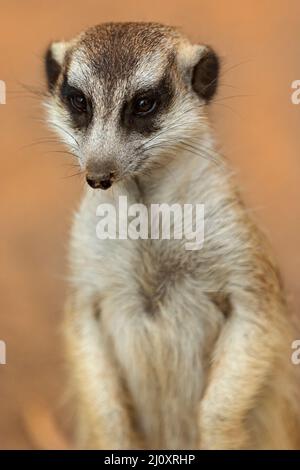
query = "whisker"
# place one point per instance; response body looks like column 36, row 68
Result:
column 39, row 142
column 74, row 174
column 65, row 131
column 232, row 67
column 231, row 97
column 34, row 91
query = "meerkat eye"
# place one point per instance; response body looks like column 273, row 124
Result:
column 78, row 102
column 144, row 105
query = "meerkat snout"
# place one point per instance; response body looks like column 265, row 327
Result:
column 100, row 173
column 102, row 182
column 133, row 91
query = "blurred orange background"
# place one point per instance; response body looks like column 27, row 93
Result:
column 257, row 127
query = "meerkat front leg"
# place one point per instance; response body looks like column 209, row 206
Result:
column 103, row 413
column 242, row 366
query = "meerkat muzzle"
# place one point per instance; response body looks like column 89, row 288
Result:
column 97, row 183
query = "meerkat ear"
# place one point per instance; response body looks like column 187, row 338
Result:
column 206, row 73
column 54, row 58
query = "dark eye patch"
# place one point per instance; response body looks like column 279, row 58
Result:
column 78, row 105
column 141, row 113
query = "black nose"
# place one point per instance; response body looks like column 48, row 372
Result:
column 96, row 183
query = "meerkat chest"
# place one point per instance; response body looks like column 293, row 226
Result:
column 160, row 323
column 162, row 328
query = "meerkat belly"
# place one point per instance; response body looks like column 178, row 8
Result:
column 162, row 345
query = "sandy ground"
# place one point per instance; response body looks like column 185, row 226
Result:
column 258, row 129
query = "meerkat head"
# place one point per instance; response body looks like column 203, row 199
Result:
column 122, row 96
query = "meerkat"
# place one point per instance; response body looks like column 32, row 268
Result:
column 167, row 347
